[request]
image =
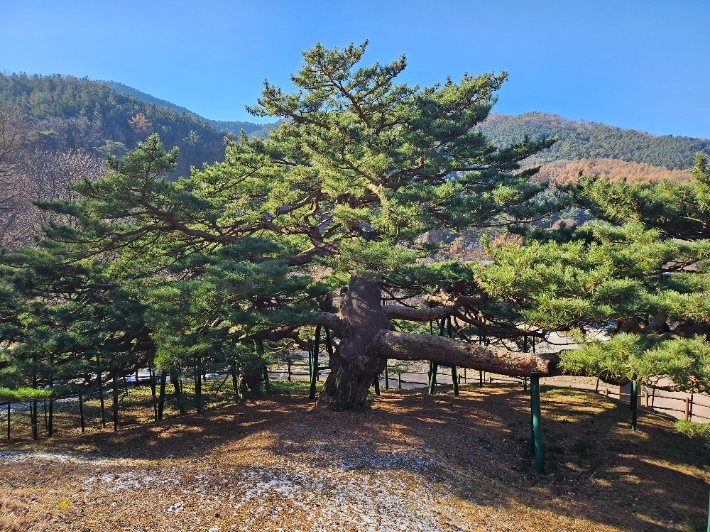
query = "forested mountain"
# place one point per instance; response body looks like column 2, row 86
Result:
column 250, row 128
column 120, row 88
column 230, row 126
column 579, row 139
column 73, row 114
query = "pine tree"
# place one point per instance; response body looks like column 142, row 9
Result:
column 315, row 224
column 633, row 286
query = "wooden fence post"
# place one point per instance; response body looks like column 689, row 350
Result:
column 399, row 380
column 687, row 408
column 387, row 377
column 8, row 418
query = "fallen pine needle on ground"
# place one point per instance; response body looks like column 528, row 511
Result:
column 413, row 462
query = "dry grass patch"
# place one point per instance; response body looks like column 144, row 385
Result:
column 413, row 462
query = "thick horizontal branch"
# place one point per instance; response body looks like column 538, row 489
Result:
column 446, row 351
column 395, row 312
column 319, row 249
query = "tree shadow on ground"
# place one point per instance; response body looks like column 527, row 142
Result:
column 478, row 444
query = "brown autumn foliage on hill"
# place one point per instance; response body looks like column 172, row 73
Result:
column 565, row 171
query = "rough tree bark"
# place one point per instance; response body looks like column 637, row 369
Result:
column 366, row 342
column 353, row 368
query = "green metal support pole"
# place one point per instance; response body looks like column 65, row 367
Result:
column 314, row 364
column 161, row 394
column 328, row 343
column 536, row 427
column 198, row 384
column 434, row 366
column 100, row 384
column 33, row 406
column 432, row 378
column 235, row 381
column 81, row 411
column 153, row 393
column 260, row 352
column 450, row 330
column 431, row 363
column 50, row 422
column 634, row 404
column 115, row 402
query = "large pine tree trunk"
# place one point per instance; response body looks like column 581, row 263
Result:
column 366, row 342
column 353, row 368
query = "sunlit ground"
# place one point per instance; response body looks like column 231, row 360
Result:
column 413, row 462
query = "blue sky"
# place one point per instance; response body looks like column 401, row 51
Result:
column 636, row 64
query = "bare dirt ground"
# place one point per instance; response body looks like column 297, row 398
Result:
column 413, row 462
